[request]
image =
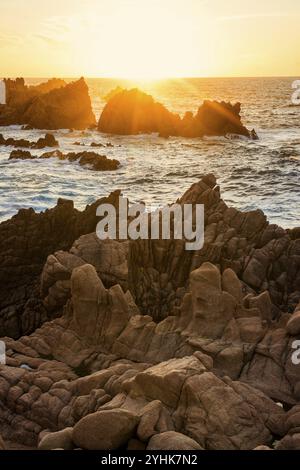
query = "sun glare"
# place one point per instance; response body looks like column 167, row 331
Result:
column 145, row 43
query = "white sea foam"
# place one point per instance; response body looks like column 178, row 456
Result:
column 263, row 173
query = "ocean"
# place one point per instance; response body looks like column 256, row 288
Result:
column 260, row 174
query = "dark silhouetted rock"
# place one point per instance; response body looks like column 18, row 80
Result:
column 51, row 105
column 63, row 108
column 26, row 240
column 214, row 119
column 133, row 112
column 95, row 161
column 19, row 96
column 47, row 141
column 92, row 160
column 21, row 155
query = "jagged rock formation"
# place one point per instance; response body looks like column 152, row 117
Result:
column 19, row 96
column 26, row 240
column 133, row 112
column 52, row 105
column 205, row 371
column 93, row 160
column 47, row 141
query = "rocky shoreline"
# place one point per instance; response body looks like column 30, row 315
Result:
column 58, row 105
column 174, row 349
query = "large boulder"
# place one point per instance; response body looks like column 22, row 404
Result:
column 155, row 419
column 172, row 440
column 211, row 411
column 105, row 430
column 57, row 440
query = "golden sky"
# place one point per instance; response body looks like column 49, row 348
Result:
column 149, row 38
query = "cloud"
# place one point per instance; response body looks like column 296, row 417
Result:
column 55, row 30
column 7, row 40
column 48, row 40
column 254, row 16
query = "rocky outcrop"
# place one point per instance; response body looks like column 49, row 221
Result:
column 100, row 370
column 19, row 96
column 52, row 105
column 92, row 160
column 95, row 161
column 26, row 240
column 214, row 118
column 133, row 112
column 151, row 346
column 21, row 155
column 63, row 108
column 47, row 141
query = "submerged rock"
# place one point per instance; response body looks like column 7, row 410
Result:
column 93, row 160
column 21, row 155
column 47, row 141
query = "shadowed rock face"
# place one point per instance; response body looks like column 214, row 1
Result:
column 26, row 240
column 214, row 118
column 54, row 105
column 19, row 96
column 173, row 348
column 103, row 362
column 133, row 112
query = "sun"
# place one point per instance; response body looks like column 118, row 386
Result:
column 144, row 41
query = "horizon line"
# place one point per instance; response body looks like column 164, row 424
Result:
column 147, row 79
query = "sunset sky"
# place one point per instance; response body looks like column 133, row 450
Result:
column 149, row 38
